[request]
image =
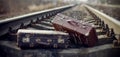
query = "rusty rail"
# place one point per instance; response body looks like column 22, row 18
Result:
column 112, row 22
column 6, row 25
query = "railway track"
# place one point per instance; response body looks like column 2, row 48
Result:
column 42, row 21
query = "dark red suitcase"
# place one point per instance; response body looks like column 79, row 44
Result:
column 81, row 32
column 42, row 39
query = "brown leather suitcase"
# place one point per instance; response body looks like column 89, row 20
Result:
column 81, row 32
column 42, row 39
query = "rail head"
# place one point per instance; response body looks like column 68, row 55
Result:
column 34, row 13
column 112, row 22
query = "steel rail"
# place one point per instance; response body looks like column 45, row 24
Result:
column 16, row 22
column 112, row 22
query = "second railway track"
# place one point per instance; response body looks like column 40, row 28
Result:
column 43, row 22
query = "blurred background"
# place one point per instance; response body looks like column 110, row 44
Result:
column 10, row 8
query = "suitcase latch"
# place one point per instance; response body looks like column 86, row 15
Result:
column 26, row 40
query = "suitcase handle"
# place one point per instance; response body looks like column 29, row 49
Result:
column 43, row 43
column 72, row 23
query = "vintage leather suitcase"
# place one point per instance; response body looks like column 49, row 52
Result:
column 42, row 39
column 81, row 32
